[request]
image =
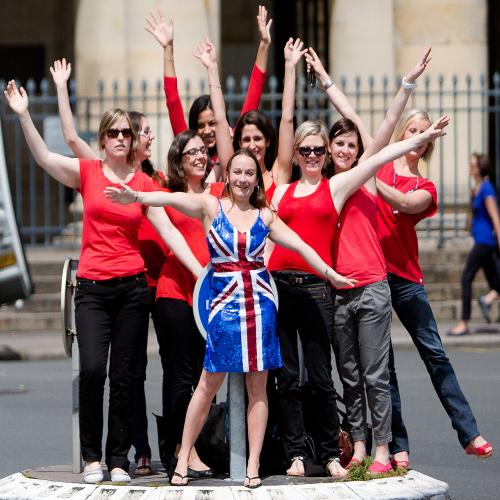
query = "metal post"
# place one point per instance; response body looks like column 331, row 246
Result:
column 75, row 424
column 237, row 427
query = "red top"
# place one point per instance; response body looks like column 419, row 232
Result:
column 176, row 281
column 270, row 192
column 110, row 247
column 356, row 251
column 314, row 219
column 396, row 233
column 174, row 105
column 152, row 246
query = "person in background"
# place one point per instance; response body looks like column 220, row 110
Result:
column 485, row 231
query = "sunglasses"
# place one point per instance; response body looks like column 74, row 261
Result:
column 145, row 132
column 194, row 151
column 306, row 151
column 113, row 133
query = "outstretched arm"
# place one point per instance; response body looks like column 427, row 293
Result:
column 282, row 168
column 174, row 239
column 61, row 72
column 163, row 32
column 61, row 168
column 345, row 184
column 258, row 76
column 282, row 235
column 206, row 53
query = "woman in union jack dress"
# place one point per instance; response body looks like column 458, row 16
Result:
column 242, row 331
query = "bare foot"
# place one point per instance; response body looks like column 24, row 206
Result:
column 252, row 480
column 296, row 467
column 334, row 469
column 195, row 462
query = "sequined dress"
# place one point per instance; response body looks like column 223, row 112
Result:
column 242, row 331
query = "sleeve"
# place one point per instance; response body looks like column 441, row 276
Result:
column 255, row 89
column 85, row 165
column 432, row 208
column 174, row 105
column 488, row 190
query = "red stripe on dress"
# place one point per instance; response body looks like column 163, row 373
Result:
column 219, row 246
column 230, row 290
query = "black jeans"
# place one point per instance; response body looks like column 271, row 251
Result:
column 413, row 309
column 481, row 256
column 182, row 350
column 305, row 306
column 111, row 316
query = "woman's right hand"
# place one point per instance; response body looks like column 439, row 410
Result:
column 314, row 63
column 60, row 72
column 293, row 51
column 264, row 26
column 337, row 280
column 162, row 30
column 436, row 129
column 419, row 68
column 206, row 53
column 123, row 195
column 16, row 98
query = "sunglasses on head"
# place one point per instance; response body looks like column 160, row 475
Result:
column 113, row 133
column 306, row 151
column 194, row 151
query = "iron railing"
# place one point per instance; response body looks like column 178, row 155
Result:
column 473, row 104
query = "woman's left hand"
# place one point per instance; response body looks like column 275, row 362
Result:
column 264, row 26
column 293, row 51
column 419, row 68
column 339, row 281
column 124, row 194
column 206, row 53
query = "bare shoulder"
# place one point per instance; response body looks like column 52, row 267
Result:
column 278, row 194
column 268, row 216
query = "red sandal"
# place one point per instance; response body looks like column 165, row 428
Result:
column 483, row 451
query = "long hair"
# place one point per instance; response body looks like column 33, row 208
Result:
column 176, row 178
column 108, row 119
column 403, row 123
column 258, row 197
column 146, row 164
column 346, row 126
column 199, row 104
column 262, row 122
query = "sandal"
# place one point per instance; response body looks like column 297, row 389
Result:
column 143, row 467
column 483, row 451
column 400, row 464
column 297, row 461
column 252, row 486
column 182, row 483
column 335, row 470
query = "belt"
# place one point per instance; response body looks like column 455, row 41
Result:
column 298, row 278
column 114, row 281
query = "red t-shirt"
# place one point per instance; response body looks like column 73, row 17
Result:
column 314, row 219
column 176, row 281
column 270, row 193
column 152, row 247
column 110, row 247
column 356, row 251
column 397, row 233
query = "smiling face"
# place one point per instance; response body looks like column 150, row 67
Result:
column 206, row 127
column 144, row 141
column 194, row 160
column 344, row 149
column 311, row 163
column 253, row 139
column 415, row 127
column 242, row 177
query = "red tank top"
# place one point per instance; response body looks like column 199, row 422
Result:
column 176, row 281
column 356, row 251
column 314, row 219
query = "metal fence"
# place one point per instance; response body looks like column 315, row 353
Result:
column 43, row 206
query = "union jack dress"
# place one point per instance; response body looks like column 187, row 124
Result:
column 242, row 334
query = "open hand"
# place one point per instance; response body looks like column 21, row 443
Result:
column 206, row 53
column 419, row 68
column 61, row 72
column 437, row 128
column 123, row 195
column 17, row 98
column 293, row 51
column 263, row 25
column 162, row 30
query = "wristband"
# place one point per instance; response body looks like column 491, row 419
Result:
column 327, row 83
column 406, row 85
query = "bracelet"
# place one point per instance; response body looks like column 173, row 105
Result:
column 136, row 197
column 406, row 85
column 216, row 85
column 327, row 83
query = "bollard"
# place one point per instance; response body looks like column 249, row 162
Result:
column 237, row 427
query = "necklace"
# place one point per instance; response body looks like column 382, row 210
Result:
column 396, row 212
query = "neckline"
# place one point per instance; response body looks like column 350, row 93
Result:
column 233, row 226
column 134, row 173
column 306, row 195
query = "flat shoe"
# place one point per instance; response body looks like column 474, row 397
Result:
column 253, row 486
column 483, row 451
column 335, row 465
column 292, row 462
column 402, row 464
column 451, row 333
column 120, row 477
column 379, row 468
column 485, row 309
column 93, row 476
column 352, row 462
column 182, row 483
column 200, row 474
column 143, row 467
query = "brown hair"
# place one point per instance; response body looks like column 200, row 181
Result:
column 108, row 119
column 346, row 126
column 258, row 197
column 483, row 164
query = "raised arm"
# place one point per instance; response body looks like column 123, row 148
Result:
column 206, row 53
column 345, row 184
column 282, row 235
column 174, row 239
column 61, row 72
column 163, row 32
column 282, row 167
column 336, row 96
column 61, row 168
column 258, row 76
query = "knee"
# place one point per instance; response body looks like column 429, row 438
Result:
column 92, row 373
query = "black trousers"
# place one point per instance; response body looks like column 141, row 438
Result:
column 182, row 350
column 481, row 256
column 305, row 306
column 111, row 316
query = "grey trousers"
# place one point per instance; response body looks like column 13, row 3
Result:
column 361, row 340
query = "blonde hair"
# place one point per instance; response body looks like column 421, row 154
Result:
column 308, row 128
column 403, row 123
column 108, row 119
